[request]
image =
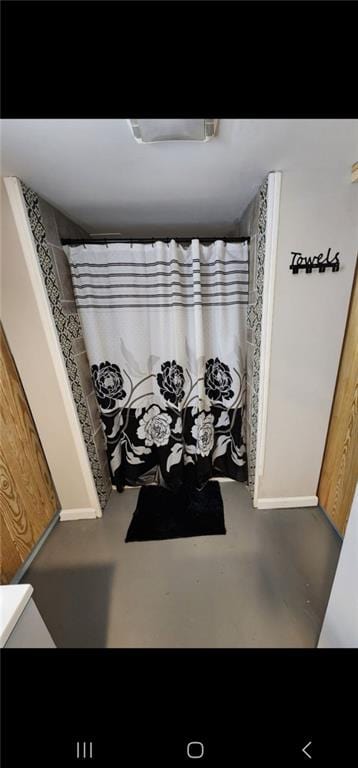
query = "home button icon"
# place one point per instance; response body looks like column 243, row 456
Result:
column 195, row 749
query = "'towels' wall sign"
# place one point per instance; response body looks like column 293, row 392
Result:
column 321, row 262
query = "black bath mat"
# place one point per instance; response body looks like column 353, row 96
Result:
column 163, row 514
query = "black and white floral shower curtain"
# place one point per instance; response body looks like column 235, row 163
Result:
column 165, row 331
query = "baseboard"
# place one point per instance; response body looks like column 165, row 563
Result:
column 331, row 523
column 23, row 568
column 287, row 502
column 82, row 513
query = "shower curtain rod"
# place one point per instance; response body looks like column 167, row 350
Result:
column 108, row 240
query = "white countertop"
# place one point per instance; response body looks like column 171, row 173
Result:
column 13, row 600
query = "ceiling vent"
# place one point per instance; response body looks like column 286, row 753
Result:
column 147, row 131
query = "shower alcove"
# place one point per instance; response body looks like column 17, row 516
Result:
column 47, row 229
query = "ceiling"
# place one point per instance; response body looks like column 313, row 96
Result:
column 95, row 171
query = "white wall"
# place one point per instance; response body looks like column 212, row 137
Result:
column 318, row 210
column 340, row 626
column 29, row 327
column 104, row 179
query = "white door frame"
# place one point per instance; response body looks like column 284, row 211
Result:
column 91, row 506
column 271, row 239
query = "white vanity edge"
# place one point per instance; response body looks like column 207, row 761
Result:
column 13, row 600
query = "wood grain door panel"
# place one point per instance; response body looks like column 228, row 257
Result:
column 10, row 558
column 27, row 494
column 339, row 472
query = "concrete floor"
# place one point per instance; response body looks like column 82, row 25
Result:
column 265, row 584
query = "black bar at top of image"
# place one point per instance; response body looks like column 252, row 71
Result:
column 103, row 59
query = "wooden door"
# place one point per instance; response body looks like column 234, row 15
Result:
column 28, row 499
column 339, row 471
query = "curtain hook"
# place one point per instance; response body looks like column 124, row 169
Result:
column 84, row 244
column 131, row 243
column 153, row 241
column 106, row 243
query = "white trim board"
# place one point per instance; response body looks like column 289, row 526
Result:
column 17, row 204
column 273, row 206
column 287, row 502
column 77, row 514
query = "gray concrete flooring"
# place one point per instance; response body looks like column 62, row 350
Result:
column 265, row 584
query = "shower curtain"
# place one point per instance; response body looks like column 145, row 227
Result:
column 165, row 331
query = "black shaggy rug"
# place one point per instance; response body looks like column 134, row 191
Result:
column 163, row 514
